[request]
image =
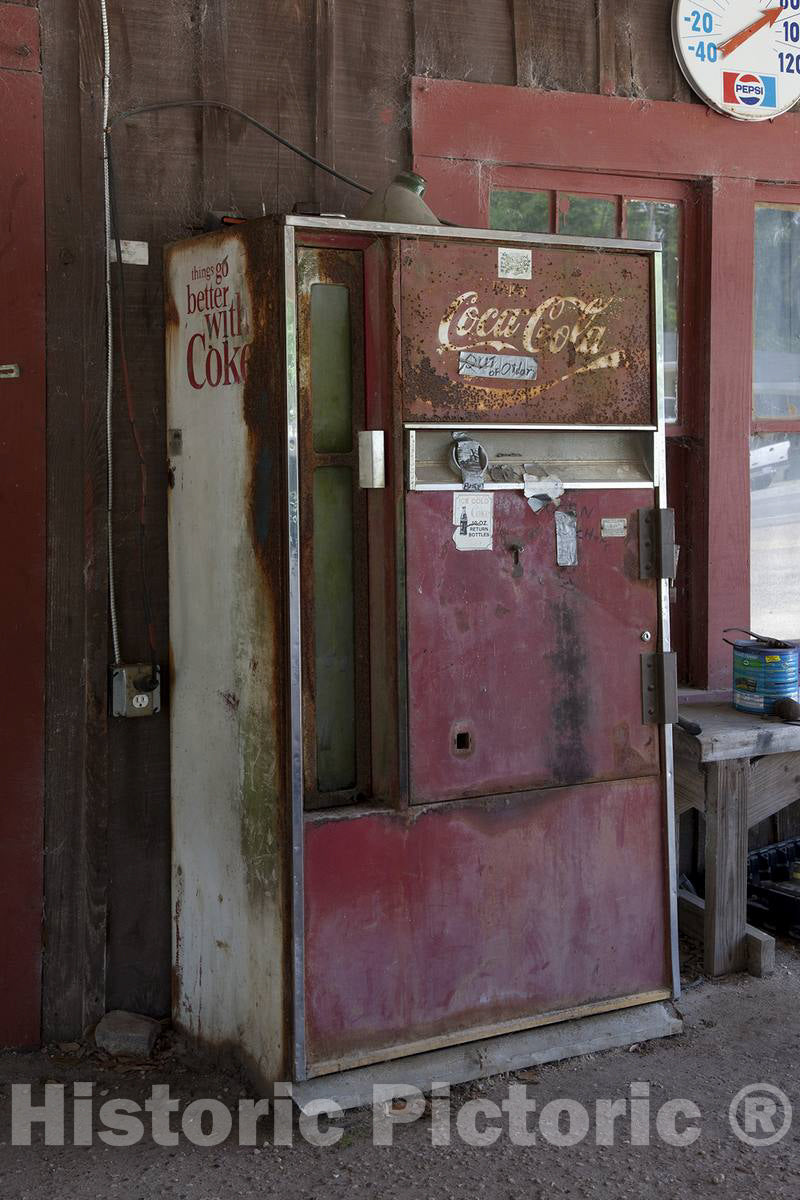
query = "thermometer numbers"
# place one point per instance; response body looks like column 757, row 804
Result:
column 789, row 63
column 705, row 51
column 700, row 22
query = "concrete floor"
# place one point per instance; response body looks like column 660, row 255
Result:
column 738, row 1032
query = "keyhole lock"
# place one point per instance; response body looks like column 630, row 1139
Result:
column 515, row 549
column 647, row 636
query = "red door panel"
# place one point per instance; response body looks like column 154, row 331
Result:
column 22, row 545
column 456, row 918
column 524, row 674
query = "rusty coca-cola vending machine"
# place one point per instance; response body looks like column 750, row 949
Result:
column 420, row 682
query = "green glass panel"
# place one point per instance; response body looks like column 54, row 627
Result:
column 528, row 212
column 334, row 631
column 776, row 313
column 660, row 221
column 331, row 372
column 588, row 216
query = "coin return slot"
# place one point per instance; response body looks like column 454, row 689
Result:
column 463, row 741
column 580, row 458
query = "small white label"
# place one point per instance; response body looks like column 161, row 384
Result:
column 135, row 253
column 614, row 527
column 473, row 517
column 513, row 263
column 497, row 366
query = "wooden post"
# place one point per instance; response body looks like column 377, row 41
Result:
column 722, row 585
column 726, row 865
column 76, row 763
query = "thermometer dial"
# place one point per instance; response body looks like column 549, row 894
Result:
column 742, row 57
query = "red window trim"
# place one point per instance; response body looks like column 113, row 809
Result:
column 462, row 132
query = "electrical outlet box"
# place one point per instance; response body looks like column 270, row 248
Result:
column 135, row 690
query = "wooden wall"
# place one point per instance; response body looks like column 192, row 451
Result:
column 332, row 75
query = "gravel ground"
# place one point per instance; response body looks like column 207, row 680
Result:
column 739, row 1032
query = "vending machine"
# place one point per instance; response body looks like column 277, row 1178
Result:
column 421, row 684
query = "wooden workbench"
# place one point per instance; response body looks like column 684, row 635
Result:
column 739, row 770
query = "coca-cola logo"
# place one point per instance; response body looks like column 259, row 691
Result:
column 555, row 324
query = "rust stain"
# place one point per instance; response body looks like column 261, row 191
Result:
column 263, row 723
column 625, row 757
column 569, row 761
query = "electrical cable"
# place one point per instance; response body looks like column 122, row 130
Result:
column 221, row 104
column 112, row 599
column 126, row 385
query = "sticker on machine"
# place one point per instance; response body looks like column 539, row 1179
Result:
column 513, row 263
column 613, row 527
column 473, row 517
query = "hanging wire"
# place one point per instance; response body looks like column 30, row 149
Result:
column 238, row 112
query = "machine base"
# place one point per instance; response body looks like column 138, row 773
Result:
column 509, row 1052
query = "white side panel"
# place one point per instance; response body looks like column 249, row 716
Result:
column 225, row 693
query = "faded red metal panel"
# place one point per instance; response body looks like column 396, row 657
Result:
column 536, row 666
column 19, row 38
column 448, row 919
column 583, row 317
column 22, row 597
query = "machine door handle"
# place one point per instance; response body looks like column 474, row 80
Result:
column 9, row 371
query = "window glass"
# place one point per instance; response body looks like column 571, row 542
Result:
column 331, row 382
column 775, row 534
column 659, row 221
column 587, row 216
column 528, row 212
column 334, row 629
column 776, row 312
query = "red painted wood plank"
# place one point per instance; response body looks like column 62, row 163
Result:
column 22, row 546
column 19, row 38
column 489, row 123
column 729, row 391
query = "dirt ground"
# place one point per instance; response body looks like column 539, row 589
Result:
column 738, row 1032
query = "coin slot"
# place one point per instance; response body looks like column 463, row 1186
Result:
column 463, row 741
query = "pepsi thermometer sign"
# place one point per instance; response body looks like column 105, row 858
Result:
column 741, row 56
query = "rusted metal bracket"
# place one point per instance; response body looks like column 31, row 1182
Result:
column 659, row 688
column 656, row 543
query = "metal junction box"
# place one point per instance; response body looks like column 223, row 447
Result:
column 419, row 615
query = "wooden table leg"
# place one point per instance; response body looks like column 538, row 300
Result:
column 727, row 788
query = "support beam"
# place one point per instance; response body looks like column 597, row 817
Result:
column 726, row 866
column 760, row 946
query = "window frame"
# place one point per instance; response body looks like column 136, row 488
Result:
column 789, row 196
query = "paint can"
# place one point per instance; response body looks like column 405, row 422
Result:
column 764, row 670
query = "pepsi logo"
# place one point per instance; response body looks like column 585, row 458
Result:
column 749, row 89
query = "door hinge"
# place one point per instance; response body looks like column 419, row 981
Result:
column 656, row 543
column 660, row 688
